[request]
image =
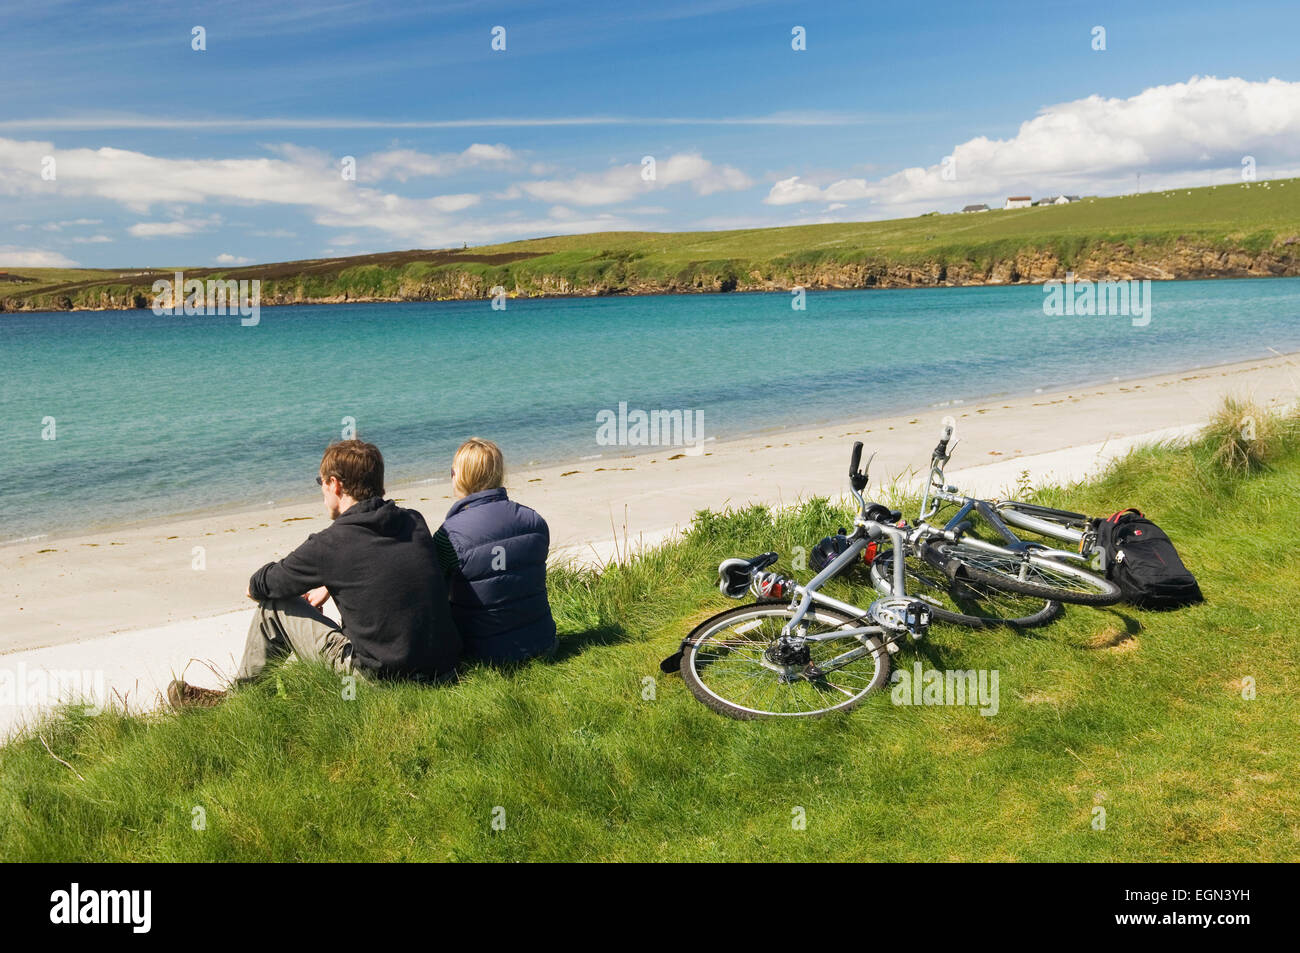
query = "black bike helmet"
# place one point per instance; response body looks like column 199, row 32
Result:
column 827, row 550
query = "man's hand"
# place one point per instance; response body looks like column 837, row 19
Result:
column 317, row 597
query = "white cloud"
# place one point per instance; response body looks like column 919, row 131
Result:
column 12, row 256
column 60, row 226
column 181, row 224
column 161, row 229
column 791, row 192
column 300, row 177
column 1181, row 134
column 405, row 164
column 227, row 259
column 802, row 117
column 625, row 182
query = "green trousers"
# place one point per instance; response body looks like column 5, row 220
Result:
column 281, row 626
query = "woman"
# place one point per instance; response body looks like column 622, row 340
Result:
column 493, row 552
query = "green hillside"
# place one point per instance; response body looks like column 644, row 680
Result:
column 1219, row 231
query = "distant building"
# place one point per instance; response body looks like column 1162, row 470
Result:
column 1019, row 201
column 1057, row 200
column 976, row 208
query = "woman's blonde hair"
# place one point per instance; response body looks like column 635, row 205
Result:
column 478, row 465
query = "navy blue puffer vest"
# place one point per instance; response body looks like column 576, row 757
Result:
column 498, row 598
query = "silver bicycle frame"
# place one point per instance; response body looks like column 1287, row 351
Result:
column 1034, row 524
column 997, row 514
column 810, row 593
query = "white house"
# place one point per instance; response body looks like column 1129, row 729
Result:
column 1018, row 201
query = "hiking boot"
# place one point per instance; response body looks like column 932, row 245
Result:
column 184, row 695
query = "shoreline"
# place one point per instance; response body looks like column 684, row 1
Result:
column 83, row 586
column 334, row 300
column 131, row 610
column 243, row 509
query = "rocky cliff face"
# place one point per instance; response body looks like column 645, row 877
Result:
column 1035, row 266
column 1095, row 262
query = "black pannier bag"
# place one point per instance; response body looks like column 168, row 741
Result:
column 1139, row 557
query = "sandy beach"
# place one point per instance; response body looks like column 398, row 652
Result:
column 144, row 600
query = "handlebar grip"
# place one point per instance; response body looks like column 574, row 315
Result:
column 856, row 459
column 942, row 449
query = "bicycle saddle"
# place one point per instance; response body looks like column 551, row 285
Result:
column 734, row 575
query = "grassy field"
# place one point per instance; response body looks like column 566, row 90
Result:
column 600, row 756
column 1222, row 231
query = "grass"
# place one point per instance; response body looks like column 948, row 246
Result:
column 1245, row 437
column 1228, row 230
column 599, row 756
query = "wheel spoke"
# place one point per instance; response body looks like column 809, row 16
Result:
column 964, row 600
column 730, row 665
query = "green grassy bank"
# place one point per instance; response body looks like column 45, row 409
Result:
column 600, row 756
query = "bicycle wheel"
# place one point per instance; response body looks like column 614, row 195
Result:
column 960, row 601
column 725, row 666
column 1030, row 574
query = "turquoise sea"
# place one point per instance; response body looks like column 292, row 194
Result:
column 156, row 416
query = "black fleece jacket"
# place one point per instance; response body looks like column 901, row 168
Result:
column 379, row 563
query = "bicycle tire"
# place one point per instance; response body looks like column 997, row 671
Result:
column 974, row 565
column 733, row 708
column 926, row 587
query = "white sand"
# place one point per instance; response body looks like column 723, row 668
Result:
column 130, row 604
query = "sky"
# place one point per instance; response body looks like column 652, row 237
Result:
column 339, row 128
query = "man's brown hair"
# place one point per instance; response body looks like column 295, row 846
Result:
column 358, row 465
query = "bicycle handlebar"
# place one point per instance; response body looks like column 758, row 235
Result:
column 934, row 490
column 941, row 451
column 857, row 478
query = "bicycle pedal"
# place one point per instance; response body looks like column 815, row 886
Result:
column 918, row 617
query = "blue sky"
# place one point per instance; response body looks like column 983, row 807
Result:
column 164, row 155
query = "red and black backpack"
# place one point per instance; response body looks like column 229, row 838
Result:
column 1139, row 557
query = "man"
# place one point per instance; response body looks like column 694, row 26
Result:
column 377, row 560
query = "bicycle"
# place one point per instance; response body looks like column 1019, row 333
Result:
column 798, row 652
column 1028, row 568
